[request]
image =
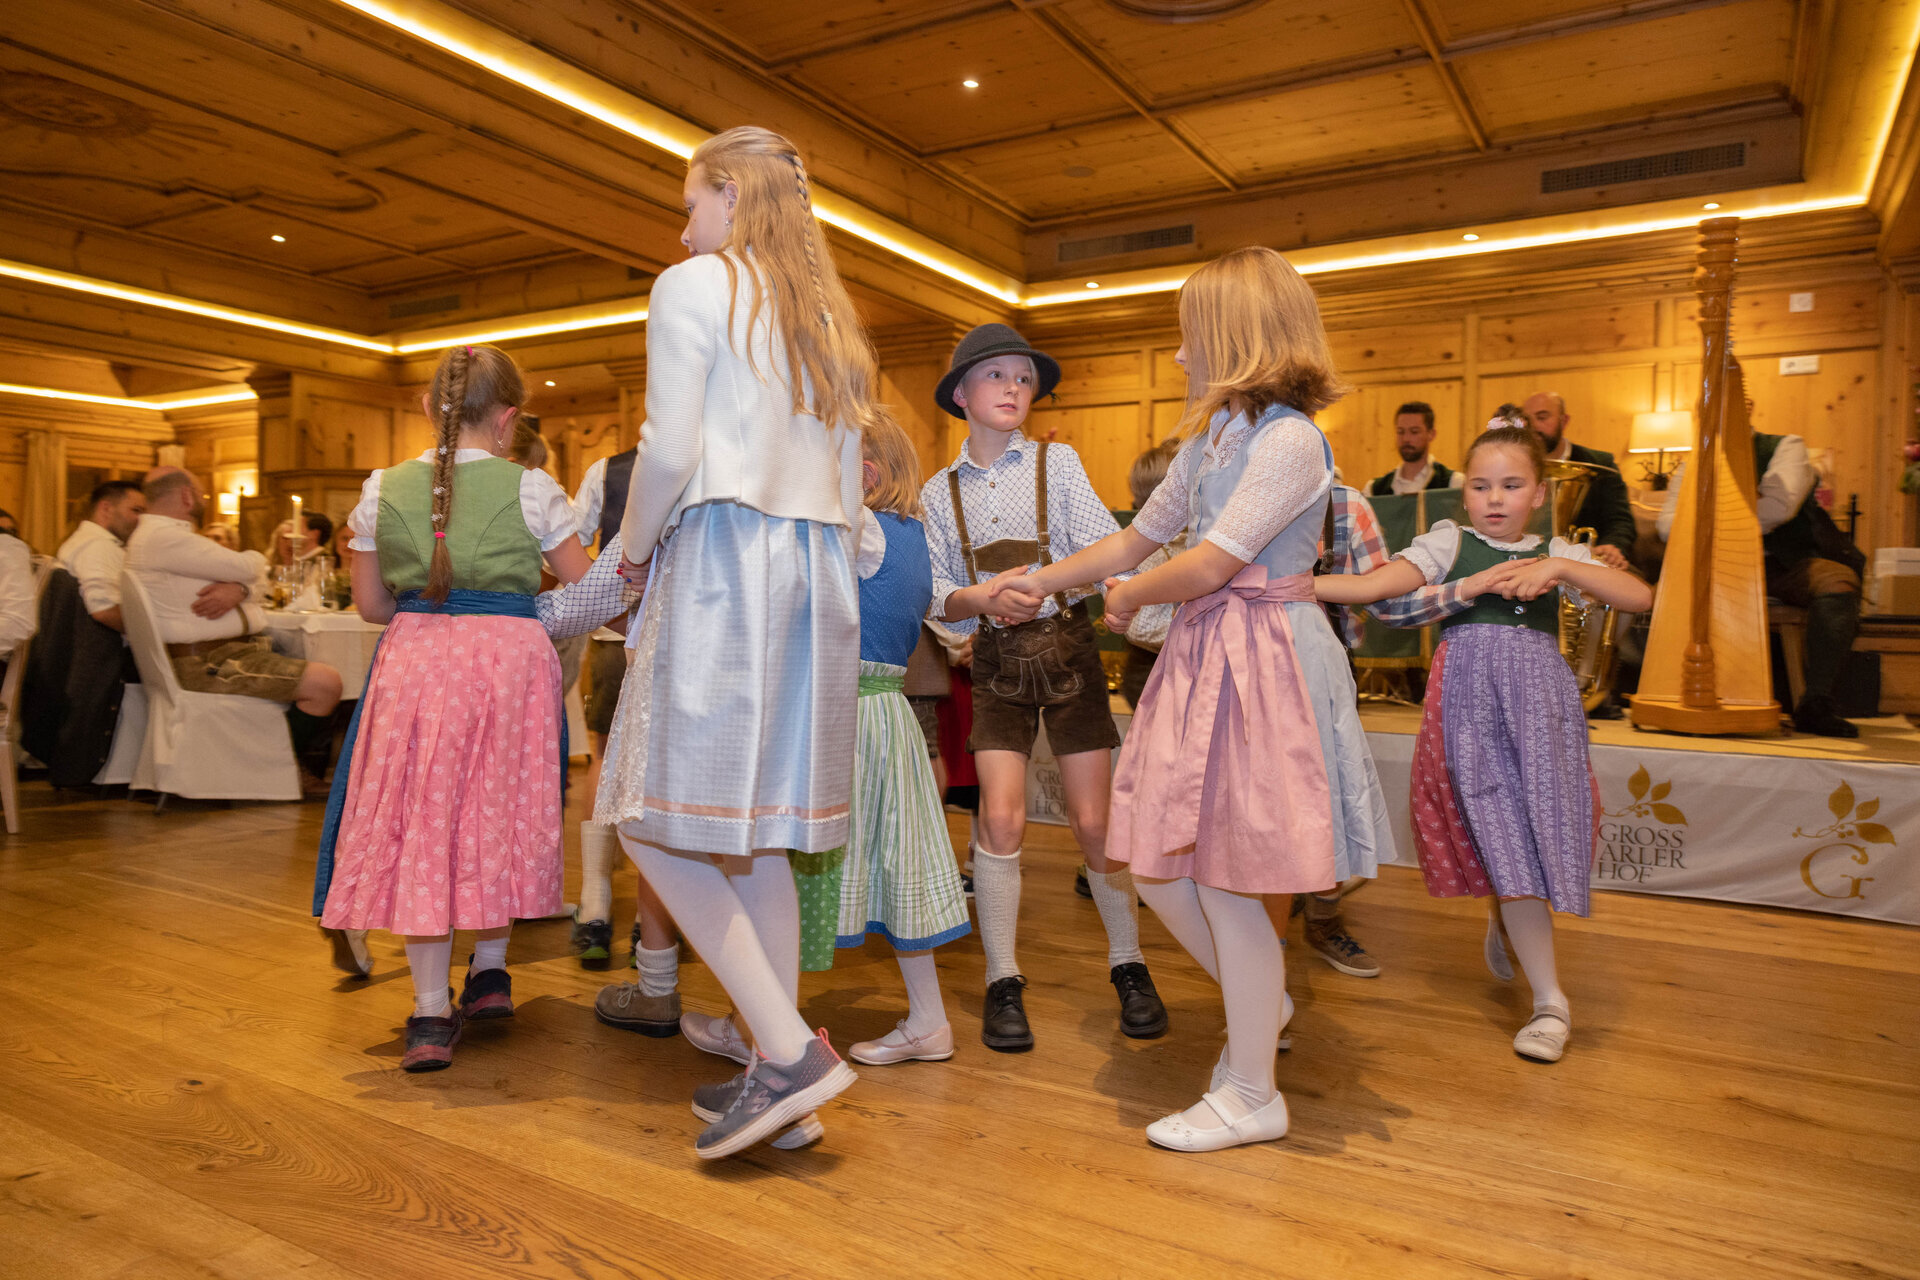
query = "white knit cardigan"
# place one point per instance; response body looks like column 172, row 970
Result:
column 718, row 431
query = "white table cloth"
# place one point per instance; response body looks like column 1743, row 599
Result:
column 344, row 641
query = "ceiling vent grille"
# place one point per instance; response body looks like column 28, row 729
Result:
column 1132, row 242
column 1671, row 164
column 423, row 306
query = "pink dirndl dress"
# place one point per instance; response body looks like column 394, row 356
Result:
column 1221, row 779
column 451, row 816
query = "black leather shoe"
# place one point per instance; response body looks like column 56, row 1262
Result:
column 1003, row 1021
column 1142, row 1016
column 1817, row 715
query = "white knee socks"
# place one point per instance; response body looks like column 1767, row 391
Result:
column 1113, row 894
column 996, row 896
column 659, row 970
column 926, row 1012
column 598, row 842
column 431, row 963
column 704, row 901
column 488, row 953
column 1529, row 924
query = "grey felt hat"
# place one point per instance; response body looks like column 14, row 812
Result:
column 986, row 342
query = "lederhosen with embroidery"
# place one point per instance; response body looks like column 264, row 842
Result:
column 1047, row 662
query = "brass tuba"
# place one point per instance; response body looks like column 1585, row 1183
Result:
column 1586, row 630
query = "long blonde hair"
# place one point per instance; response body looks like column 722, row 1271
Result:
column 471, row 384
column 826, row 345
column 885, row 444
column 1252, row 332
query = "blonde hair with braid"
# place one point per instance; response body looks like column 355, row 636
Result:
column 828, row 354
column 471, row 385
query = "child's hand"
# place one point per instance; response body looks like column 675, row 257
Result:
column 1488, row 581
column 635, row 574
column 1119, row 614
column 1531, row 579
column 1014, row 579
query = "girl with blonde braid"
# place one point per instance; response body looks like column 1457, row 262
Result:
column 445, row 811
column 734, row 739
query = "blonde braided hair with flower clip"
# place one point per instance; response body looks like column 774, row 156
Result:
column 774, row 236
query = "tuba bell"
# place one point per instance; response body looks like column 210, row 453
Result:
column 1586, row 629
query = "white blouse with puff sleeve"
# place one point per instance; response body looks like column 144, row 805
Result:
column 543, row 505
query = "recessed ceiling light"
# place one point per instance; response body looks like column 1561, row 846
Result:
column 1469, row 236
column 969, row 84
column 1079, row 171
column 1093, row 284
column 549, row 381
column 1711, row 204
column 278, row 239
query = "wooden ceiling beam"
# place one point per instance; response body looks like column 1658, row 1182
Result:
column 1035, row 13
column 909, row 26
column 1333, row 72
column 1427, row 27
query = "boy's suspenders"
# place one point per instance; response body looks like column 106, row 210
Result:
column 1010, row 550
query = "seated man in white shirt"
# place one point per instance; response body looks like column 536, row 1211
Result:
column 186, row 576
column 96, row 552
column 18, row 617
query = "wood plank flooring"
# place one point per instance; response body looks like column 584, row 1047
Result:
column 186, row 1089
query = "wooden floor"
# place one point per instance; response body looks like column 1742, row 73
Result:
column 187, row 1090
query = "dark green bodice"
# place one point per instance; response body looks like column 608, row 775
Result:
column 1542, row 613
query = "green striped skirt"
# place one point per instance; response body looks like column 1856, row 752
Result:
column 897, row 876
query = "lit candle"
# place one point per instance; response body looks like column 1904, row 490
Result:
column 299, row 530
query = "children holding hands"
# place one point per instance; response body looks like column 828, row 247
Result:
column 1504, row 802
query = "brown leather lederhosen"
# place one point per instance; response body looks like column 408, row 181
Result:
column 1036, row 657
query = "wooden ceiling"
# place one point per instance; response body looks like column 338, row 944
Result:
column 297, row 158
column 1088, row 107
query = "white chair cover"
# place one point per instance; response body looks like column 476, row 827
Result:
column 205, row 746
column 129, row 736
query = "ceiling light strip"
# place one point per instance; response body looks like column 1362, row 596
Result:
column 490, row 49
column 162, row 404
column 146, row 297
column 507, row 330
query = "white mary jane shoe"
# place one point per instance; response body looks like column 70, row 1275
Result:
column 1544, row 1038
column 1264, row 1125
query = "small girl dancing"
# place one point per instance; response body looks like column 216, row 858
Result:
column 446, row 803
column 1504, row 801
column 1246, row 772
column 899, row 879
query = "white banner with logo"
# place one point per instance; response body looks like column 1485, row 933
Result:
column 1777, row 831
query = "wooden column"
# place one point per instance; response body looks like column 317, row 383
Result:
column 43, row 511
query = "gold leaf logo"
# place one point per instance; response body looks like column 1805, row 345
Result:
column 1648, row 799
column 1850, row 820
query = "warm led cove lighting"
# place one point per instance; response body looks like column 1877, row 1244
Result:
column 537, row 329
column 191, row 400
column 145, row 297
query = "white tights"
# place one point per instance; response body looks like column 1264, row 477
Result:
column 743, row 916
column 1230, row 936
column 1529, row 923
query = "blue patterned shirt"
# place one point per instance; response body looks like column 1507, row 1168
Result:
column 999, row 504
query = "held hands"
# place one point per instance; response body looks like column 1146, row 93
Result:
column 1120, row 615
column 635, row 575
column 1516, row 579
column 1012, row 597
column 217, row 599
column 1609, row 555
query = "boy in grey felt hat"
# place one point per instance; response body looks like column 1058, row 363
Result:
column 1008, row 503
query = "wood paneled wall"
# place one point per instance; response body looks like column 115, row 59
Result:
column 1611, row 353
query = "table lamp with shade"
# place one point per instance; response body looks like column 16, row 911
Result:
column 1660, row 434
